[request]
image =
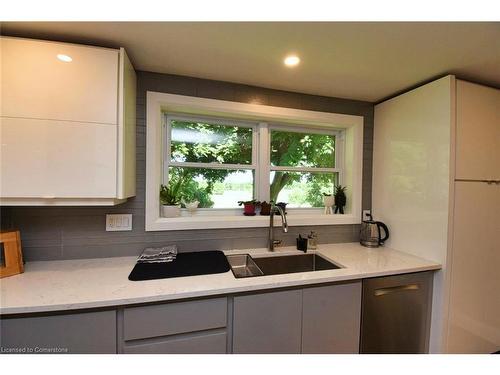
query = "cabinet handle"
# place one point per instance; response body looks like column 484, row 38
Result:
column 489, row 182
column 393, row 289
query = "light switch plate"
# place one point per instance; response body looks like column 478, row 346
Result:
column 118, row 222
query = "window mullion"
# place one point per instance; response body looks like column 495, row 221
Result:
column 264, row 163
column 305, row 169
column 339, row 156
column 167, row 150
column 182, row 164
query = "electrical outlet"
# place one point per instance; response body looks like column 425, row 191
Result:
column 118, row 222
column 366, row 214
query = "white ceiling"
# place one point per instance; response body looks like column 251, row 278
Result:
column 364, row 61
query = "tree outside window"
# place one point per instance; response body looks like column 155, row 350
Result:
column 211, row 161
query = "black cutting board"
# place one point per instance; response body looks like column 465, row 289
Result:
column 186, row 264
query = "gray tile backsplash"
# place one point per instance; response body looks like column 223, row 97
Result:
column 50, row 233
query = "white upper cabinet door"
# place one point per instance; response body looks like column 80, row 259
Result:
column 34, row 79
column 478, row 132
column 57, row 159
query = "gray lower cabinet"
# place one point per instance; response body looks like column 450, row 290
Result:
column 331, row 318
column 92, row 332
column 324, row 319
column 267, row 322
column 190, row 327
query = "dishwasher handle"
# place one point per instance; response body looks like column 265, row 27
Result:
column 393, row 289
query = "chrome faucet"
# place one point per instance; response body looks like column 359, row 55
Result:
column 284, row 225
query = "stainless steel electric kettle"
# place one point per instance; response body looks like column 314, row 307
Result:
column 370, row 233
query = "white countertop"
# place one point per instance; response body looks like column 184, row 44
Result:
column 92, row 283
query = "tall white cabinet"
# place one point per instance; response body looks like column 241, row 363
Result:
column 436, row 184
column 67, row 124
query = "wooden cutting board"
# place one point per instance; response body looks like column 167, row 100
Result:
column 10, row 241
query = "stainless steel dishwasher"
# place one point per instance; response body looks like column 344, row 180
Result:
column 396, row 313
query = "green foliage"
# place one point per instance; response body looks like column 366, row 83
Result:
column 169, row 195
column 211, row 143
column 302, row 150
column 290, row 149
column 191, row 190
column 215, row 143
column 319, row 183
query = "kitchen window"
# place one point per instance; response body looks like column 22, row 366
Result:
column 220, row 152
column 219, row 162
column 304, row 165
column 211, row 161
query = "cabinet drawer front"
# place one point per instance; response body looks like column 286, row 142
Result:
column 57, row 159
column 214, row 343
column 78, row 333
column 331, row 319
column 36, row 84
column 173, row 318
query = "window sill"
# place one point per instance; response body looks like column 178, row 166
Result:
column 219, row 222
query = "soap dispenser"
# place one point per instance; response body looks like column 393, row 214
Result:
column 312, row 241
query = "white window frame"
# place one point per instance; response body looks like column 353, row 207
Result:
column 339, row 160
column 167, row 136
column 348, row 129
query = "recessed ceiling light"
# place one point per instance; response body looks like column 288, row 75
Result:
column 291, row 60
column 64, row 58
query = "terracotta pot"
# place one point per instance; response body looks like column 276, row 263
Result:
column 265, row 208
column 249, row 209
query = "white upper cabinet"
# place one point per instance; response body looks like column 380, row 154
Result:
column 57, row 159
column 477, row 132
column 67, row 127
column 37, row 84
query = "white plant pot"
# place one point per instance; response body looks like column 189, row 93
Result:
column 171, row 211
column 328, row 201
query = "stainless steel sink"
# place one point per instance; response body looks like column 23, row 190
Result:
column 245, row 266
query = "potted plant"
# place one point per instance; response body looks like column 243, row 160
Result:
column 191, row 206
column 340, row 199
column 265, row 208
column 328, row 202
column 282, row 205
column 249, row 207
column 170, row 201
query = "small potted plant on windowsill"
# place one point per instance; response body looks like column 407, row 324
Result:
column 328, row 202
column 265, row 208
column 170, row 201
column 282, row 205
column 249, row 207
column 340, row 199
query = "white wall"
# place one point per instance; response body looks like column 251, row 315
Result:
column 411, row 179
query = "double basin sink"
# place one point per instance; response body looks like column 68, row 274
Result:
column 243, row 265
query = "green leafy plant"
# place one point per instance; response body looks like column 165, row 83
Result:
column 340, row 198
column 169, row 195
column 253, row 201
